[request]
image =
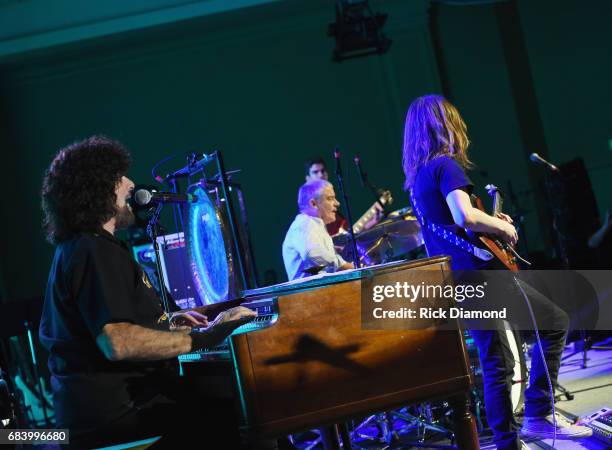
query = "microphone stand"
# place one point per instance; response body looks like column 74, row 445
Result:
column 557, row 189
column 365, row 181
column 171, row 181
column 347, row 209
column 153, row 232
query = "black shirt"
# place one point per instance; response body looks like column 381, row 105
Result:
column 94, row 281
column 433, row 182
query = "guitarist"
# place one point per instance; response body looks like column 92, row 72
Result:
column 434, row 162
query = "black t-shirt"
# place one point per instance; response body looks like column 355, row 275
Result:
column 94, row 281
column 433, row 182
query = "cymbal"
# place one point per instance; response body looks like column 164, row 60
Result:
column 406, row 225
column 404, row 233
column 384, row 242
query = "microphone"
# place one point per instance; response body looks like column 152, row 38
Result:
column 337, row 160
column 361, row 174
column 144, row 197
column 534, row 157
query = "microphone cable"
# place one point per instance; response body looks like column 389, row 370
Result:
column 539, row 342
column 156, row 177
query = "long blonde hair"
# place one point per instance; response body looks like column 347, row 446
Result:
column 433, row 128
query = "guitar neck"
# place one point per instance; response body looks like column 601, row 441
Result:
column 497, row 203
column 366, row 217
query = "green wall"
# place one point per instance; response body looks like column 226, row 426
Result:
column 570, row 51
column 259, row 85
column 563, row 63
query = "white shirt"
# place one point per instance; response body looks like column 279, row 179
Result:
column 308, row 244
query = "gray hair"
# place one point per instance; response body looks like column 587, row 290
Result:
column 309, row 190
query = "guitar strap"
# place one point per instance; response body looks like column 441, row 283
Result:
column 451, row 237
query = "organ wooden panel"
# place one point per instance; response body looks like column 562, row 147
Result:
column 316, row 365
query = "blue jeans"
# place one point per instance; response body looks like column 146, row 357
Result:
column 497, row 364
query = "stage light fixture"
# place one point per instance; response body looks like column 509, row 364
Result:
column 357, row 30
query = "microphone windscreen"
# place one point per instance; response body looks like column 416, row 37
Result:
column 534, row 157
column 142, row 197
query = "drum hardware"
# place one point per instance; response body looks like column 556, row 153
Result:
column 296, row 440
column 386, row 423
column 392, row 239
column 577, row 296
column 8, row 418
column 387, row 428
column 329, row 437
column 402, row 212
column 365, row 254
column 423, row 419
column 24, row 384
column 477, row 406
column 352, row 244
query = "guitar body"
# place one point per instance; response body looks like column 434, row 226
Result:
column 495, row 246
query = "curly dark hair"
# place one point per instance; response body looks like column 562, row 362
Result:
column 78, row 191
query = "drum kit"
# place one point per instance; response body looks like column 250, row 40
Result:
column 397, row 237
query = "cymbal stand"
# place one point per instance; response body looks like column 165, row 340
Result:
column 389, row 435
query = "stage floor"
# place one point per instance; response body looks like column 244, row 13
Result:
column 592, row 389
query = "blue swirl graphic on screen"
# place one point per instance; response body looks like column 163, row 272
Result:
column 207, row 247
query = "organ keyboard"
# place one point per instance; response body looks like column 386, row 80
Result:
column 307, row 361
column 266, row 316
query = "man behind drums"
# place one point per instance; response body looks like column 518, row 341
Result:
column 308, row 247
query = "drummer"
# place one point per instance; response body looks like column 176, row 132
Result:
column 316, row 169
column 308, row 247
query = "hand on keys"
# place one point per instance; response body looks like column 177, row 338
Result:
column 220, row 328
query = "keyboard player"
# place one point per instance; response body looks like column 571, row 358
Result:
column 111, row 356
column 308, row 248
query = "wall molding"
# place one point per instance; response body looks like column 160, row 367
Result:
column 127, row 48
column 32, row 25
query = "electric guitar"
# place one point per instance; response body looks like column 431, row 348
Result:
column 504, row 252
column 385, row 199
